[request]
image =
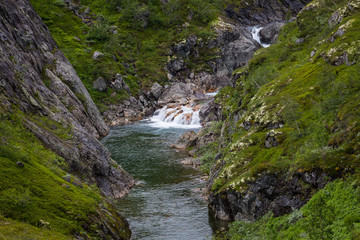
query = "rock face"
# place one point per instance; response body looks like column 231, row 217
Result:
column 270, row 32
column 38, row 80
column 267, row 193
column 233, row 47
column 265, row 11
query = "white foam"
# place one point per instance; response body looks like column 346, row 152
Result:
column 212, row 94
column 179, row 117
column 256, row 36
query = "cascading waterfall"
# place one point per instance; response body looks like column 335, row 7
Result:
column 255, row 34
column 178, row 117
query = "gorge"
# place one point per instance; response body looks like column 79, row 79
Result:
column 168, row 119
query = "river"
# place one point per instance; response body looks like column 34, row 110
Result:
column 167, row 204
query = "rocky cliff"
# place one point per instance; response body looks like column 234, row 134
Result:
column 40, row 86
column 272, row 146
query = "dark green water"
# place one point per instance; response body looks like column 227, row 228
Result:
column 167, row 204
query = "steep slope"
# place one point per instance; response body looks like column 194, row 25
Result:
column 42, row 96
column 290, row 123
column 143, row 42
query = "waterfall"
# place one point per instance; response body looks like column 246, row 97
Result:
column 177, row 117
column 256, row 36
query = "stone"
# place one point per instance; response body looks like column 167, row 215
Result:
column 67, row 178
column 100, row 84
column 270, row 32
column 186, row 140
column 312, row 53
column 300, row 40
column 270, row 140
column 3, row 37
column 119, row 84
column 191, row 161
column 191, row 40
column 20, row 164
column 97, row 55
column 174, row 66
column 211, row 111
column 156, row 90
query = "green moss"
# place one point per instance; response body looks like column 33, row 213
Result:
column 33, row 191
column 332, row 213
column 312, row 96
column 10, row 229
column 134, row 33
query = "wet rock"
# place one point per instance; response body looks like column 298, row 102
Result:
column 191, row 161
column 210, row 112
column 179, row 93
column 269, row 33
column 188, row 139
column 262, row 12
column 100, row 84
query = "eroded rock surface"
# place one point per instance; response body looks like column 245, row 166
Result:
column 38, row 80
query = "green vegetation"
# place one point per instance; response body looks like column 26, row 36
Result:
column 134, row 37
column 33, row 190
column 310, row 89
column 19, row 230
column 313, row 96
column 332, row 213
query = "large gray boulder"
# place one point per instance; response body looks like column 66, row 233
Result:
column 269, row 33
column 179, row 93
column 119, row 84
column 100, row 84
column 156, row 90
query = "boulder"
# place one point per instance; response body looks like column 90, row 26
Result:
column 269, row 33
column 188, row 139
column 177, row 93
column 210, row 112
column 156, row 90
column 97, row 55
column 119, row 84
column 100, row 84
column 300, row 40
column 174, row 66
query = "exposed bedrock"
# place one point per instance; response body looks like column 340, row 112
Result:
column 37, row 79
column 277, row 194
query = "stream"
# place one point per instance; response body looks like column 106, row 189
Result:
column 167, row 203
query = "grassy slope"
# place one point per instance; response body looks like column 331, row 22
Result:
column 317, row 102
column 145, row 32
column 332, row 213
column 35, row 200
column 314, row 98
